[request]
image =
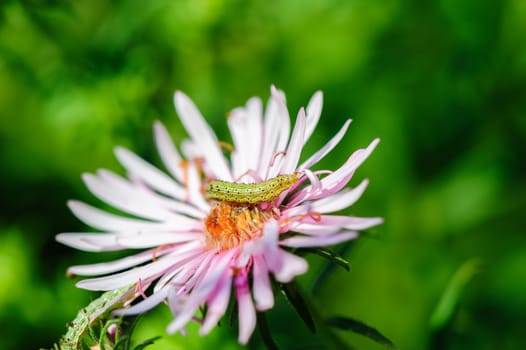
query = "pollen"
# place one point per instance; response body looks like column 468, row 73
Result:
column 231, row 224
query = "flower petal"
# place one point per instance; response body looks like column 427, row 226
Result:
column 247, row 312
column 246, row 128
column 276, row 132
column 148, row 173
column 202, row 135
column 313, row 113
column 200, row 292
column 326, row 224
column 103, row 220
column 195, row 196
column 130, row 201
column 291, row 267
column 329, row 146
column 335, row 181
column 167, row 151
column 218, row 303
column 144, row 305
column 120, row 264
column 129, row 277
column 262, row 290
column 318, row 241
column 292, row 157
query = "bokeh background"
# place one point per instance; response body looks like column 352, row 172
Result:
column 442, row 83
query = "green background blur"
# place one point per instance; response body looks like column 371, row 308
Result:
column 442, row 83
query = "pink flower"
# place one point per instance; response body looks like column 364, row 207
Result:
column 194, row 249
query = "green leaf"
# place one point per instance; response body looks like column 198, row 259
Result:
column 330, row 255
column 265, row 333
column 449, row 299
column 294, row 297
column 147, row 342
column 349, row 324
column 326, row 272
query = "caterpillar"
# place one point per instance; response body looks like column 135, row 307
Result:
column 80, row 326
column 254, row 193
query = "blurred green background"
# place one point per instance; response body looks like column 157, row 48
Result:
column 442, row 83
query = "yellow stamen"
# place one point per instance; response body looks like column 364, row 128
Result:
column 230, row 224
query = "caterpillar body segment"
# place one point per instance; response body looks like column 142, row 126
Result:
column 265, row 191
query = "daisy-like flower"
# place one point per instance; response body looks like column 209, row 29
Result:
column 193, row 249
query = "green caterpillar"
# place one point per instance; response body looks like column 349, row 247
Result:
column 255, row 193
column 79, row 327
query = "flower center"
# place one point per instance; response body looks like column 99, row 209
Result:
column 229, row 224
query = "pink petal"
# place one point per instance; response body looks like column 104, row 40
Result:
column 149, row 174
column 318, row 241
column 269, row 245
column 191, row 151
column 142, row 272
column 128, row 277
column 291, row 267
column 275, row 130
column 246, row 128
column 167, row 151
column 313, row 113
column 331, row 203
column 200, row 292
column 102, row 220
column 118, row 265
column 335, row 181
column 341, row 177
column 99, row 242
column 262, row 290
column 202, row 135
column 314, row 229
column 270, row 136
column 133, row 199
column 255, row 126
column 292, row 157
column 237, row 125
column 283, row 113
column 356, row 223
column 218, row 304
column 200, row 277
column 181, row 319
column 157, row 239
column 247, row 312
column 194, row 189
column 327, row 222
column 284, row 131
column 329, row 146
column 144, row 305
column 341, row 200
column 127, row 200
column 90, row 242
column 177, row 276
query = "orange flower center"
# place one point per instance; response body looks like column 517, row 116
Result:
column 230, row 224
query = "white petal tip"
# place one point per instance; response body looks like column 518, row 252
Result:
column 120, row 152
column 264, row 306
column 73, row 203
column 180, row 98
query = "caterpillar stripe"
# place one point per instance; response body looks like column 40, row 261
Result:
column 264, row 191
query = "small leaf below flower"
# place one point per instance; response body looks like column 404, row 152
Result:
column 349, row 324
column 147, row 342
column 330, row 255
column 294, row 297
column 265, row 333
